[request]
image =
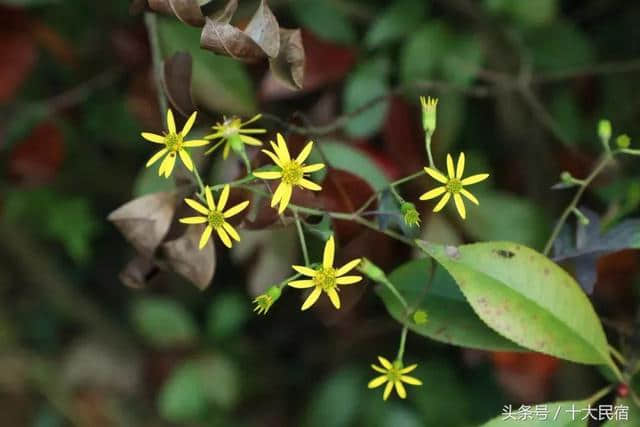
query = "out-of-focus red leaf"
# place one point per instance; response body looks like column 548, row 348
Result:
column 131, row 47
column 38, row 158
column 526, row 376
column 59, row 47
column 402, row 133
column 17, row 57
column 326, row 63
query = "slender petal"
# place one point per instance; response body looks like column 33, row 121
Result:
column 450, row 169
column 442, row 202
column 348, row 280
column 274, row 157
column 171, row 123
column 215, row 135
column 474, row 179
column 409, row 368
column 210, row 202
column 156, row 157
column 301, row 284
column 436, row 175
column 304, row 153
column 236, row 209
column 277, row 151
column 231, row 231
column 387, row 390
column 205, row 236
column 186, row 159
column 377, row 382
column 252, row 119
column 224, row 196
column 280, row 190
column 313, row 168
column 253, row 131
column 469, row 196
column 333, row 296
column 348, row 267
column 197, row 206
column 401, row 390
column 311, row 299
column 268, row 175
column 225, row 152
column 195, row 143
column 310, row 185
column 249, row 140
column 460, row 169
column 187, row 126
column 432, row 194
column 329, row 252
column 193, row 220
column 457, row 198
column 385, row 363
column 286, row 196
column 152, row 137
column 378, row 369
column 304, row 270
column 410, row 380
column 284, row 151
column 168, row 163
column 224, row 236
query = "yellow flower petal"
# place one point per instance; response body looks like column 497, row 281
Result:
column 309, row 185
column 348, row 267
column 312, row 168
column 378, row 369
column 152, row 137
column 252, row 119
column 450, row 170
column 254, row 131
column 166, row 167
column 186, row 159
column 469, row 196
column 171, row 123
column 305, row 152
column 377, row 382
column 387, row 390
column 348, row 280
column 249, row 140
column 304, row 270
column 195, row 143
column 156, row 157
column 205, row 236
column 268, row 175
column 409, row 368
column 301, row 284
column 187, row 126
column 329, row 252
column 197, row 206
column 385, row 363
column 457, row 198
column 333, row 296
column 193, row 220
column 436, row 175
column 225, row 152
column 286, row 196
column 277, row 152
column 210, row 202
column 433, row 193
column 400, row 390
column 410, row 380
column 442, row 202
column 231, row 231
column 224, row 196
column 224, row 236
column 273, row 157
column 311, row 299
column 460, row 169
column 277, row 195
column 236, row 209
column 284, row 151
column 474, row 179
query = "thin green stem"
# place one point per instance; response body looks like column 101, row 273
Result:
column 407, row 178
column 576, row 199
column 236, row 183
column 151, row 22
column 303, row 242
column 284, row 283
column 618, row 356
column 427, row 143
column 403, row 343
column 199, row 181
column 599, row 394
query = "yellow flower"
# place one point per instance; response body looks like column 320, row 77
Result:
column 292, row 172
column 231, row 132
column 394, row 375
column 453, row 186
column 215, row 217
column 429, row 108
column 264, row 301
column 174, row 145
column 326, row 278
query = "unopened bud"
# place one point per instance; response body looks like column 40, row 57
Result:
column 429, row 107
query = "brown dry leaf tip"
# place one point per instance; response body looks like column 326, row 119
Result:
column 289, row 65
column 138, row 272
column 225, row 14
column 188, row 11
column 177, row 82
column 145, row 221
column 184, row 257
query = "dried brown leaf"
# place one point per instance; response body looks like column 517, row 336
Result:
column 264, row 30
column 188, row 11
column 184, row 257
column 138, row 272
column 228, row 40
column 288, row 66
column 177, row 82
column 224, row 15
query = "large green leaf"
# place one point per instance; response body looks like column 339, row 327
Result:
column 625, row 414
column 397, row 21
column 451, row 319
column 324, row 19
column 525, row 297
column 163, row 322
column 559, row 414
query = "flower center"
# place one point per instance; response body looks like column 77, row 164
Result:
column 231, row 127
column 394, row 373
column 454, row 186
column 292, row 173
column 173, row 141
column 216, row 219
column 325, row 278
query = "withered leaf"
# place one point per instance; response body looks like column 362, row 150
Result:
column 144, row 221
column 224, row 16
column 264, row 30
column 288, row 66
column 184, row 257
column 228, row 40
column 177, row 82
column 188, row 11
column 137, row 272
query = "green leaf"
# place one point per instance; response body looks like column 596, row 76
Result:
column 565, row 417
column 451, row 319
column 398, row 20
column 632, row 418
column 219, row 82
column 527, row 13
column 525, row 297
column 227, row 314
column 336, row 401
column 324, row 19
column 163, row 322
column 559, row 46
column 148, row 181
column 423, row 52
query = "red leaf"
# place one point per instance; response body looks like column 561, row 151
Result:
column 39, row 157
column 403, row 137
column 17, row 57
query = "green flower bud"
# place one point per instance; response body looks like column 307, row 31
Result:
column 429, row 107
column 420, row 317
column 371, row 270
column 623, row 141
column 410, row 214
column 566, row 177
column 604, row 130
column 265, row 301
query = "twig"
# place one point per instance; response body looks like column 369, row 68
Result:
column 151, row 22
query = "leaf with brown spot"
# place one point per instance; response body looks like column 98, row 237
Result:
column 145, row 221
column 177, row 82
column 288, row 66
column 184, row 257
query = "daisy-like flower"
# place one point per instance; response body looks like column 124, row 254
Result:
column 231, row 132
column 174, row 145
column 453, row 186
column 292, row 172
column 325, row 278
column 394, row 374
column 215, row 217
